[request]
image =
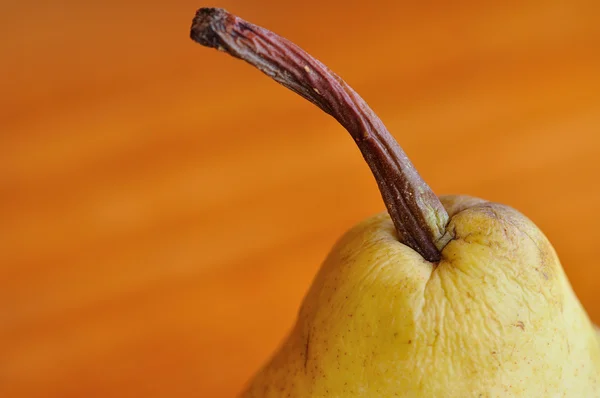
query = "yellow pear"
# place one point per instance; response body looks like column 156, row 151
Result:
column 437, row 297
column 496, row 317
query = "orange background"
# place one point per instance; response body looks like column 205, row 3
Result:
column 164, row 207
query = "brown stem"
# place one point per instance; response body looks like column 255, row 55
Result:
column 419, row 217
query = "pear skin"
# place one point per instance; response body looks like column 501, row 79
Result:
column 496, row 317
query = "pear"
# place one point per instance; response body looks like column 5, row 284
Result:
column 437, row 297
column 495, row 317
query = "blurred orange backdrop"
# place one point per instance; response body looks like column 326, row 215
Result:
column 164, row 207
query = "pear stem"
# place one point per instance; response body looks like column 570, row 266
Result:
column 417, row 213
